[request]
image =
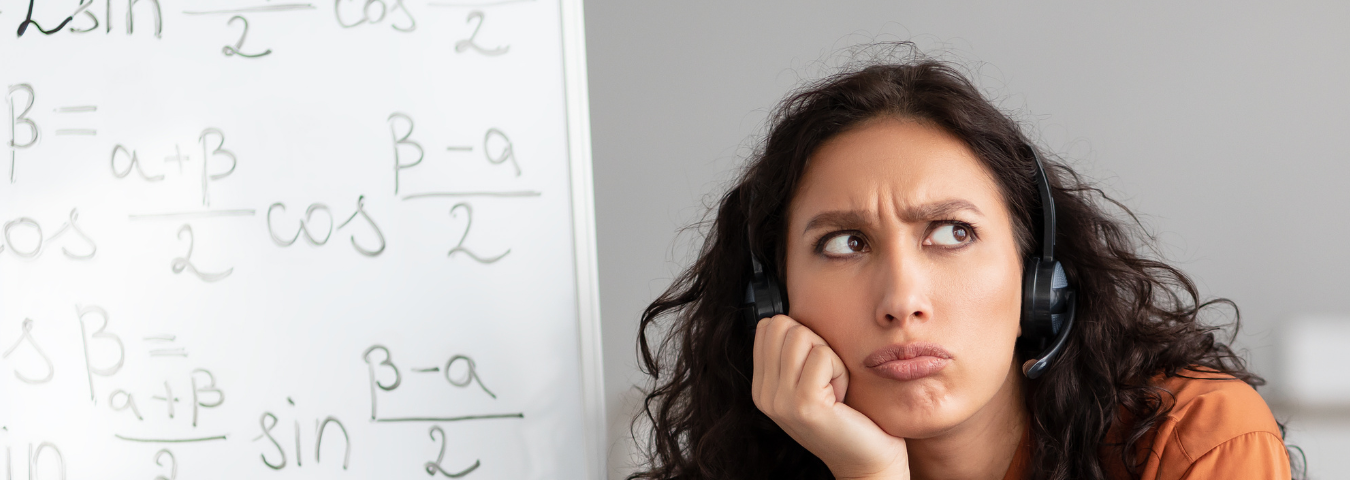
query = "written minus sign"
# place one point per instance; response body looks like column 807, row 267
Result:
column 76, row 131
column 77, row 109
column 460, row 149
column 427, row 370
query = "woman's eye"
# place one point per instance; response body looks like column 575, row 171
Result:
column 844, row 244
column 950, row 235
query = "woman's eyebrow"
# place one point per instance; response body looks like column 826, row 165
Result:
column 934, row 210
column 835, row 218
column 918, row 213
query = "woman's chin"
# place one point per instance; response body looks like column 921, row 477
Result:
column 923, row 417
column 917, row 427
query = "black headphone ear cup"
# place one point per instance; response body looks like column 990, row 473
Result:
column 1047, row 313
column 764, row 296
column 775, row 300
column 1059, row 298
column 1044, row 287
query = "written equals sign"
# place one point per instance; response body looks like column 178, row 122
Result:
column 77, row 109
column 165, row 352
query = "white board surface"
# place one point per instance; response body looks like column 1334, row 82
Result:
column 275, row 239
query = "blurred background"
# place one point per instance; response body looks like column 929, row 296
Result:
column 1222, row 124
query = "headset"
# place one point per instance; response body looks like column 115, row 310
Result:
column 1048, row 304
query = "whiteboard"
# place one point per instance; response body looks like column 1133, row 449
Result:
column 291, row 239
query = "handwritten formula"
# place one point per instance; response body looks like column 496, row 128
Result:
column 287, row 240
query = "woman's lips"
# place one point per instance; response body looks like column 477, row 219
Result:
column 908, row 362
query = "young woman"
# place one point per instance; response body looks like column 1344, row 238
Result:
column 922, row 330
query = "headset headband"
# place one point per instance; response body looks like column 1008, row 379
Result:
column 1047, row 209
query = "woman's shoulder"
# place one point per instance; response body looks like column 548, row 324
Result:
column 1217, row 424
column 1210, row 408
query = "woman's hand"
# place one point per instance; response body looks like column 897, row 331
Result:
column 800, row 383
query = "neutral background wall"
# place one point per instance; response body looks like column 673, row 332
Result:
column 1222, row 123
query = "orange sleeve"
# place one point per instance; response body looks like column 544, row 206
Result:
column 1255, row 455
column 1219, row 427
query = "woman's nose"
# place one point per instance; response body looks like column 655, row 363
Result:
column 903, row 294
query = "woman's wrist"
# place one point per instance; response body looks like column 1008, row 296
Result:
column 880, row 476
column 893, row 472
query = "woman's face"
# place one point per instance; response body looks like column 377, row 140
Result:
column 900, row 254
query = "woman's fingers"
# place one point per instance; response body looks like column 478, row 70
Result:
column 823, row 368
column 769, row 337
column 840, row 380
column 768, row 345
column 800, row 383
column 757, row 378
column 782, row 353
column 796, row 344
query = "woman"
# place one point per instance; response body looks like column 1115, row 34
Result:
column 901, row 209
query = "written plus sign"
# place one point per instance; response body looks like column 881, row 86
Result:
column 168, row 398
column 177, row 157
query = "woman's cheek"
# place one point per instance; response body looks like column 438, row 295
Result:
column 991, row 309
column 832, row 305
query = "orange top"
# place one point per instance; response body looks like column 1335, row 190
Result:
column 1217, row 429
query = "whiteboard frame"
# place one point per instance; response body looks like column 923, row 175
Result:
column 583, row 229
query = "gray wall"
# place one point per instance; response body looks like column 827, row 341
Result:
column 1224, row 125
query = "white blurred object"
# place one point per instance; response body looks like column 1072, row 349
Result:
column 1315, row 353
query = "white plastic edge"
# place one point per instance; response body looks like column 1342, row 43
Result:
column 583, row 228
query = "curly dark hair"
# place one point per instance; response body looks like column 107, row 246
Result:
column 1138, row 317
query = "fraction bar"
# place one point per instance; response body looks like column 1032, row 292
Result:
column 169, row 440
column 77, row 109
column 474, row 4
column 201, row 214
column 261, row 8
column 76, row 131
column 519, row 193
column 452, row 419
